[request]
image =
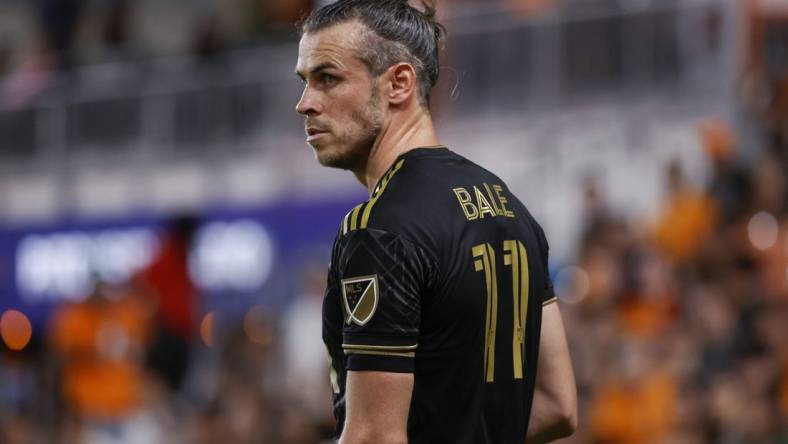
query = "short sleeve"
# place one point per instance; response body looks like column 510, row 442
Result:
column 381, row 278
column 548, row 293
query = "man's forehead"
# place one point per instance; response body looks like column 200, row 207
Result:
column 333, row 44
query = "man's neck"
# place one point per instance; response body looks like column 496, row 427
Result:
column 398, row 137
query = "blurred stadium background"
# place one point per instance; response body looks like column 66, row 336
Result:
column 165, row 230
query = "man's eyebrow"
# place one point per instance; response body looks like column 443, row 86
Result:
column 321, row 67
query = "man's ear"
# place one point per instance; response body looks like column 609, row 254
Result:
column 402, row 83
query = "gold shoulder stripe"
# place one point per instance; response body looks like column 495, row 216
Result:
column 379, row 192
column 550, row 301
column 351, row 219
column 354, row 217
column 380, row 347
column 380, row 353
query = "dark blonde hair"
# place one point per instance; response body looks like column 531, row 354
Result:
column 397, row 32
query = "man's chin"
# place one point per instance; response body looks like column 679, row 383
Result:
column 329, row 158
column 333, row 159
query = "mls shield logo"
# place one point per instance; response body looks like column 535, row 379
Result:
column 360, row 295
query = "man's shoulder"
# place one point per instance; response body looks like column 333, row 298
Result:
column 407, row 200
column 429, row 195
column 415, row 194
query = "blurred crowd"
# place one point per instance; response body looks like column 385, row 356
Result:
column 53, row 38
column 71, row 33
column 678, row 322
column 145, row 362
column 677, row 325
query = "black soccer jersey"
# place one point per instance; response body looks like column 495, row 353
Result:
column 442, row 273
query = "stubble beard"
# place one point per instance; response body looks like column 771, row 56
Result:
column 354, row 149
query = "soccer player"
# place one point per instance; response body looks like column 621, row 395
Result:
column 439, row 303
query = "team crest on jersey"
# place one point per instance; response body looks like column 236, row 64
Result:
column 360, row 295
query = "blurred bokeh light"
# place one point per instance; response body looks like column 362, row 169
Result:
column 207, row 330
column 15, row 329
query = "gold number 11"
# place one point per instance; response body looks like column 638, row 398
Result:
column 484, row 260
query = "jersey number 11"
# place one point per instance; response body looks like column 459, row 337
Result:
column 484, row 260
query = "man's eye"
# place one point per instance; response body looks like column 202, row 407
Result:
column 328, row 78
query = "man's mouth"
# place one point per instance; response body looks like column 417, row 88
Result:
column 314, row 132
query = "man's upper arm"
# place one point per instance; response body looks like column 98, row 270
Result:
column 554, row 373
column 554, row 411
column 381, row 280
column 377, row 407
column 555, row 380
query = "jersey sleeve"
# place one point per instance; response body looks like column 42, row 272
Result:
column 548, row 294
column 381, row 278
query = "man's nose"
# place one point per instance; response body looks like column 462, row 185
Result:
column 309, row 103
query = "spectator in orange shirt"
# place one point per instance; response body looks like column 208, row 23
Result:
column 100, row 343
column 687, row 220
column 636, row 406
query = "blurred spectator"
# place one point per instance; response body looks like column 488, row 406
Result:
column 730, row 183
column 247, row 406
column 59, row 21
column 767, row 227
column 770, row 187
column 17, row 395
column 168, row 284
column 206, row 39
column 115, row 32
column 649, row 305
column 305, row 356
column 101, row 344
column 600, row 224
column 604, row 237
column 636, row 403
column 687, row 217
